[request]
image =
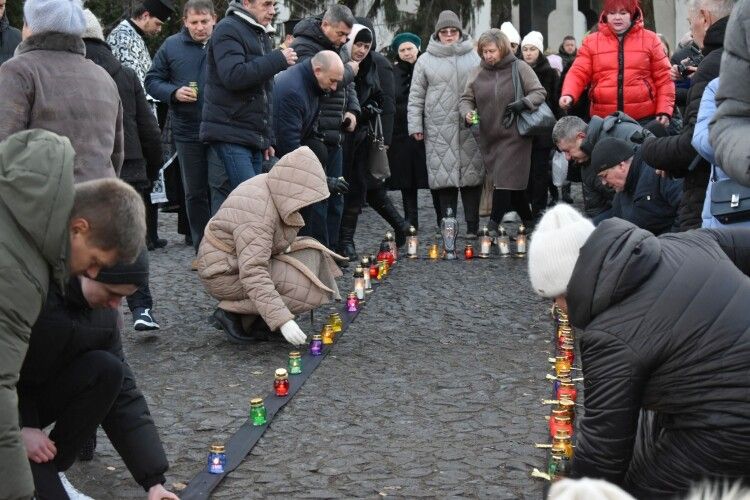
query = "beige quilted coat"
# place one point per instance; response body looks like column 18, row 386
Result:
column 246, row 258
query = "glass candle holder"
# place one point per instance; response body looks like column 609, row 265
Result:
column 468, row 252
column 374, row 271
column 334, row 319
column 449, row 233
column 295, row 363
column 365, row 263
column 568, row 352
column 217, row 459
column 560, row 423
column 561, row 443
column 433, row 252
column 561, row 365
column 412, row 243
column 359, row 283
column 392, row 246
column 327, row 334
column 567, row 391
column 485, row 243
column 281, row 382
column 521, row 241
column 316, row 345
column 503, row 242
column 351, row 303
column 257, row 411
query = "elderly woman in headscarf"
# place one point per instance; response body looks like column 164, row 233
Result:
column 406, row 155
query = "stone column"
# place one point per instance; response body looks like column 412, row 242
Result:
column 565, row 20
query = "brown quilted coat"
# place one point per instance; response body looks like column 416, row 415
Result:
column 246, row 256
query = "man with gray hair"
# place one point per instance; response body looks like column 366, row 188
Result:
column 577, row 139
column 675, row 155
column 49, row 231
column 338, row 113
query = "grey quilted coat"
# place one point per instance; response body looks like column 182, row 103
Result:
column 440, row 76
column 246, row 258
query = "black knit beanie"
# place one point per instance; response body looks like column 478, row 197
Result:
column 126, row 274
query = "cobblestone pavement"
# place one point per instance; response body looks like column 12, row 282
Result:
column 434, row 391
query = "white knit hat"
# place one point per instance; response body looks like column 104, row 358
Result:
column 93, row 26
column 534, row 38
column 61, row 16
column 511, row 32
column 554, row 249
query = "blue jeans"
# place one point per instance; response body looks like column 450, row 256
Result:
column 194, row 162
column 241, row 163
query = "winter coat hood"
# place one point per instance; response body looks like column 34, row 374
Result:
column 296, row 181
column 461, row 47
column 353, row 35
column 310, row 28
column 617, row 258
column 501, row 64
column 36, row 187
column 51, row 40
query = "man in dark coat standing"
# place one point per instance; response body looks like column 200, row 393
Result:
column 143, row 153
column 179, row 63
column 675, row 155
column 339, row 112
column 238, row 107
column 76, row 376
column 10, row 37
column 663, row 327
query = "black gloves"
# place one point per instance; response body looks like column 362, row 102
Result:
column 516, row 106
column 337, row 185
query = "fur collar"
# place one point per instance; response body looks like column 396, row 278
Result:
column 51, row 40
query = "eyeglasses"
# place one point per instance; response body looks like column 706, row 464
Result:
column 449, row 31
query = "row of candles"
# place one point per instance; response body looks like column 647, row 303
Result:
column 562, row 417
column 369, row 270
column 485, row 242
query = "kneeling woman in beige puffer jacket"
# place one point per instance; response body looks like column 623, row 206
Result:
column 252, row 261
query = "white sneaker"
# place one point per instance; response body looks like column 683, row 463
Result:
column 73, row 493
column 510, row 217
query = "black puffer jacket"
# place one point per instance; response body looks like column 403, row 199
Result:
column 308, row 41
column 550, row 80
column 666, row 329
column 10, row 37
column 675, row 154
column 143, row 152
column 238, row 97
column 66, row 329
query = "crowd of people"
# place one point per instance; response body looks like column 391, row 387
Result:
column 281, row 148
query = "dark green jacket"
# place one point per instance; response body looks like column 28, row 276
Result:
column 36, row 198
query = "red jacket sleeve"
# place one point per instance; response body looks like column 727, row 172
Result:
column 660, row 68
column 579, row 75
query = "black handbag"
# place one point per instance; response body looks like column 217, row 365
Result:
column 537, row 122
column 377, row 158
column 730, row 201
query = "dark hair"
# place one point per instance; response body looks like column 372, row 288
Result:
column 569, row 37
column 138, row 11
column 199, row 7
column 336, row 14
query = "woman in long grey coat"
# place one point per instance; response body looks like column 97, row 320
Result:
column 453, row 158
column 490, row 92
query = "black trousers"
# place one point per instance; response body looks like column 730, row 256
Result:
column 470, row 196
column 540, row 176
column 77, row 400
column 411, row 206
column 505, row 200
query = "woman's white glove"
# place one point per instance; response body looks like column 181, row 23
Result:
column 293, row 333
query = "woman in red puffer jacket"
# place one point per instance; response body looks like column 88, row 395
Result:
column 625, row 66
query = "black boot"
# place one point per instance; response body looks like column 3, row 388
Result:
column 566, row 193
column 231, row 323
column 384, row 207
column 346, row 235
column 411, row 207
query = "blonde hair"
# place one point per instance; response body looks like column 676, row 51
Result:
column 496, row 37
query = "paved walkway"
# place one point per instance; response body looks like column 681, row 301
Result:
column 434, row 391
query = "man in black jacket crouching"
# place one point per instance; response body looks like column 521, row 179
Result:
column 75, row 375
column 663, row 327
